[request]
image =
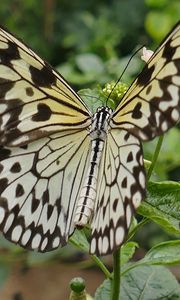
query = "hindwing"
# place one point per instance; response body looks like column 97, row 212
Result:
column 121, row 188
column 39, row 187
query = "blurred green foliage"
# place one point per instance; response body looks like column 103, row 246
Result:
column 100, row 35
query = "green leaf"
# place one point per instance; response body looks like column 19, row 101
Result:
column 156, row 4
column 103, row 291
column 169, row 158
column 160, row 20
column 165, row 253
column 73, row 75
column 89, row 63
column 93, row 98
column 171, row 147
column 145, row 283
column 162, row 205
column 79, row 240
column 127, row 251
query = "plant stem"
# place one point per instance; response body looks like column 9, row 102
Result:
column 155, row 156
column 101, row 266
column 115, row 286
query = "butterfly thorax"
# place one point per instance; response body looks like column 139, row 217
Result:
column 98, row 133
column 100, row 123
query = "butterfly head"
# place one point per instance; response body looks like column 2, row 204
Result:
column 100, row 123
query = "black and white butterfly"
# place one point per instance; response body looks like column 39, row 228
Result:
column 61, row 166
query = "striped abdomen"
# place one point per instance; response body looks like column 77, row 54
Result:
column 86, row 201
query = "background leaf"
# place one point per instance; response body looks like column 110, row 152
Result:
column 145, row 283
column 79, row 240
column 164, row 253
column 162, row 205
column 127, row 251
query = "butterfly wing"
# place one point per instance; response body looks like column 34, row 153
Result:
column 39, row 186
column 35, row 100
column 152, row 104
column 121, row 188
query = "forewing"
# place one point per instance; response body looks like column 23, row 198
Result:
column 120, row 191
column 152, row 104
column 35, row 100
column 39, row 186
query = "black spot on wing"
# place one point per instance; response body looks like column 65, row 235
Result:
column 16, row 168
column 3, row 184
column 3, row 203
column 19, row 190
column 43, row 77
column 1, row 168
column 50, row 211
column 168, row 51
column 5, row 86
column 43, row 114
column 10, row 53
column 130, row 157
column 4, row 153
column 137, row 114
column 124, row 183
column 115, row 203
column 148, row 90
column 104, row 212
column 126, row 137
column 45, row 197
column 29, row 91
column 145, row 76
column 35, row 204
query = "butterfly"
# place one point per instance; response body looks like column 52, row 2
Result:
column 63, row 167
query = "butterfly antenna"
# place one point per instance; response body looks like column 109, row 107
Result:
column 123, row 72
